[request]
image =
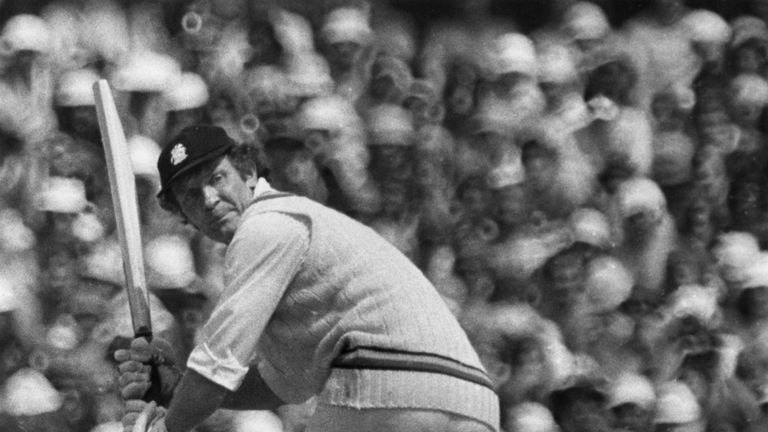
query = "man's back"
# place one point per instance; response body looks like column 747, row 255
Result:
column 356, row 305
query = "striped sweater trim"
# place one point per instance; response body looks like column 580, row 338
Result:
column 270, row 195
column 390, row 359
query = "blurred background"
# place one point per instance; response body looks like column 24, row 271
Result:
column 583, row 182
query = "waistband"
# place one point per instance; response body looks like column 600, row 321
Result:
column 377, row 358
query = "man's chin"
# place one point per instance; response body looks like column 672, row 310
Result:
column 222, row 232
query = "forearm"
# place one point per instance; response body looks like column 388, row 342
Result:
column 253, row 394
column 194, row 400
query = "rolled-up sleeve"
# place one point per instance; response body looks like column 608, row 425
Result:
column 262, row 259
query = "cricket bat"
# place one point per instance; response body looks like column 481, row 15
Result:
column 125, row 202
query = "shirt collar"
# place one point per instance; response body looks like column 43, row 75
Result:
column 262, row 188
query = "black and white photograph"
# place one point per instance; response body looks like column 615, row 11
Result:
column 383, row 216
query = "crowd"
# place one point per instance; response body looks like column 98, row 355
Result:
column 588, row 195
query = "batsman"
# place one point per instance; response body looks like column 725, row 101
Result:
column 315, row 304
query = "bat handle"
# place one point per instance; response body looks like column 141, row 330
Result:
column 144, row 332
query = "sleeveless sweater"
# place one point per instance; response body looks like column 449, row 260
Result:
column 350, row 319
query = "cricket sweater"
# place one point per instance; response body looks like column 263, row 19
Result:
column 323, row 305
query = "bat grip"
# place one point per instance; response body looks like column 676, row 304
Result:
column 145, row 333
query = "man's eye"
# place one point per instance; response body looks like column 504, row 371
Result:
column 217, row 179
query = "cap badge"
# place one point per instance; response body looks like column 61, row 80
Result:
column 178, row 154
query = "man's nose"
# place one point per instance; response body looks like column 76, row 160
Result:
column 210, row 196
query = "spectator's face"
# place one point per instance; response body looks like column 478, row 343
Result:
column 6, row 327
column 318, row 142
column 391, row 160
column 423, row 112
column 220, row 110
column 748, row 60
column 431, row 176
column 746, row 203
column 511, row 205
column 700, row 223
column 475, row 198
column 683, row 273
column 642, row 222
column 461, row 100
column 61, row 274
column 540, row 170
column 759, row 303
column 567, row 275
column 480, row 284
column 691, row 335
column 585, row 416
column 632, row 418
column 472, row 237
column 716, row 128
column 528, row 355
column 759, row 8
column 710, row 171
column 202, row 29
column 709, row 51
column 508, row 82
column 385, row 88
column 84, row 121
column 343, row 55
column 214, row 198
column 394, row 197
column 747, row 114
column 663, row 108
column 178, row 120
column 668, row 9
column 460, row 94
column 266, row 49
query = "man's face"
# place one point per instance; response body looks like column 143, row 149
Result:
column 214, row 198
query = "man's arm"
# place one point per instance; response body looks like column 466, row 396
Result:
column 194, row 400
column 197, row 397
column 253, row 394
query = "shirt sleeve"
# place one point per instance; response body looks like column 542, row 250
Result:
column 262, row 259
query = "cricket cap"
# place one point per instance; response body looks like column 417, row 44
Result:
column 193, row 146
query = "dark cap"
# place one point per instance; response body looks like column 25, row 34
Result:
column 193, row 146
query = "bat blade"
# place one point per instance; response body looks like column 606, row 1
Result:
column 125, row 202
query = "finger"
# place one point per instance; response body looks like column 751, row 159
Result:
column 122, row 355
column 129, row 419
column 132, row 377
column 143, row 419
column 134, row 390
column 134, row 406
column 162, row 345
column 140, row 350
column 132, row 366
